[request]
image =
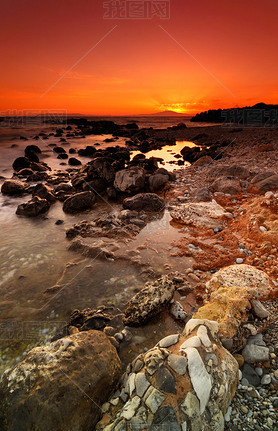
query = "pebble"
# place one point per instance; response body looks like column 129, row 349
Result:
column 239, row 260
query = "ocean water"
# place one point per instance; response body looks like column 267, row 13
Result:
column 34, row 255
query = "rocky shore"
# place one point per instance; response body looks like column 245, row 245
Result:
column 220, row 369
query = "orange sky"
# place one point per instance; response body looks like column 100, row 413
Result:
column 137, row 68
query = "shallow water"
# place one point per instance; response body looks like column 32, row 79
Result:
column 34, row 257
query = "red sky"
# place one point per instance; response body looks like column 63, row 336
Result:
column 137, row 68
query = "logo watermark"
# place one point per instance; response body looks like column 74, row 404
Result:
column 136, row 9
column 14, row 118
column 250, row 118
column 15, row 330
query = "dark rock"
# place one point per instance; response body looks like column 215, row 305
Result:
column 79, row 202
column 65, row 187
column 111, row 193
column 58, row 222
column 21, row 163
column 148, row 202
column 33, row 149
column 229, row 171
column 59, row 150
column 250, row 374
column 63, row 156
column 33, row 208
column 45, row 192
column 165, row 419
column 97, row 185
column 130, row 180
column 25, row 172
column 89, row 151
column 263, row 186
column 103, row 169
column 157, row 182
column 165, row 380
column 13, row 187
column 74, row 162
column 202, row 194
column 227, row 185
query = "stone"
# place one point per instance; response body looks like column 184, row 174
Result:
column 203, row 161
column 259, row 310
column 180, row 398
column 199, row 377
column 239, row 358
column 149, row 301
column 21, row 163
column 79, row 202
column 103, row 169
column 154, row 400
column 260, row 185
column 130, row 180
column 165, row 419
column 141, row 384
column 202, row 214
column 239, row 260
column 45, row 192
column 130, row 408
column 177, row 363
column 65, row 381
column 33, row 208
column 226, row 185
column 157, row 182
column 229, row 171
column 202, row 333
column 73, row 161
column 231, row 291
column 191, row 342
column 168, row 341
column 202, row 194
column 177, row 311
column 148, row 202
column 13, row 187
column 165, row 380
column 253, row 353
column 266, row 379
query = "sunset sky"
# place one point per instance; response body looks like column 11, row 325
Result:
column 208, row 54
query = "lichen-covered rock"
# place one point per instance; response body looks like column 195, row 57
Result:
column 60, row 386
column 149, row 301
column 203, row 214
column 231, row 291
column 176, row 388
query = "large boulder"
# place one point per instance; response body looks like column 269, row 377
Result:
column 202, row 214
column 148, row 202
column 149, row 301
column 33, row 208
column 13, row 187
column 186, row 382
column 60, row 386
column 232, row 290
column 130, row 180
column 79, row 202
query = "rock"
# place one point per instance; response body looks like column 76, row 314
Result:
column 229, row 171
column 203, row 161
column 253, row 353
column 178, row 397
column 231, row 291
column 250, row 374
column 21, row 163
column 259, row 310
column 148, row 202
column 79, row 202
column 169, row 340
column 45, row 192
column 25, row 172
column 141, row 384
column 32, row 148
column 202, row 194
column 177, row 311
column 13, row 187
column 239, row 260
column 226, row 185
column 130, row 180
column 33, row 208
column 203, row 214
column 64, row 187
column 103, row 168
column 149, row 301
column 65, row 381
column 262, row 184
column 157, row 182
column 74, row 162
column 59, row 150
column 266, row 379
column 240, row 359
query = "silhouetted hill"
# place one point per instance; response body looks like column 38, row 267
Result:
column 259, row 113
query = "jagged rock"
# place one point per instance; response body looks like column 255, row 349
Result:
column 104, row 169
column 149, row 301
column 79, row 202
column 61, row 385
column 130, row 180
column 13, row 187
column 33, row 207
column 45, row 192
column 231, row 291
column 148, row 202
column 263, row 183
column 203, row 214
column 181, row 389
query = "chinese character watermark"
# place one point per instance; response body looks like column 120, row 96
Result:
column 21, row 118
column 250, row 118
column 136, row 9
